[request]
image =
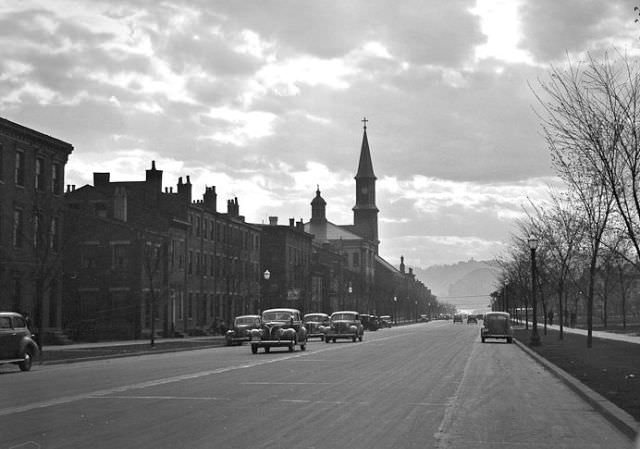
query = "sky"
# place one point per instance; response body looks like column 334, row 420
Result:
column 265, row 100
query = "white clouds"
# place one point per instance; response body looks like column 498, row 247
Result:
column 266, row 108
column 500, row 22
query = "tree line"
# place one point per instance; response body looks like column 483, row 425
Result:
column 589, row 229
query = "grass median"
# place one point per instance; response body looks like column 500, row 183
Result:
column 609, row 367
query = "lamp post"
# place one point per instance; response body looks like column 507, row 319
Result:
column 266, row 275
column 350, row 290
column 416, row 304
column 395, row 310
column 535, row 338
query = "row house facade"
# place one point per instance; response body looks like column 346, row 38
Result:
column 31, row 224
column 189, row 267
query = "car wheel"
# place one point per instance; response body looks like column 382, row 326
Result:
column 227, row 341
column 303, row 346
column 482, row 338
column 267, row 349
column 321, row 337
column 292, row 346
column 334, row 340
column 509, row 340
column 25, row 365
column 360, row 338
column 327, row 340
column 353, row 338
column 254, row 349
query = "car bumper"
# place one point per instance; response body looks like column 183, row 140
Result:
column 270, row 343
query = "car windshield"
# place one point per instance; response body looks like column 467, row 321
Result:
column 277, row 316
column 243, row 321
column 343, row 317
column 314, row 318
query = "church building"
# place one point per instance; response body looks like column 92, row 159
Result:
column 368, row 282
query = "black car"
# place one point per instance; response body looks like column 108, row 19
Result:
column 471, row 319
column 16, row 343
column 369, row 322
column 457, row 318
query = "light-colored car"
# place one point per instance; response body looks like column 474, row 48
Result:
column 496, row 325
column 241, row 331
column 317, row 324
column 280, row 328
column 385, row 321
column 345, row 324
column 17, row 345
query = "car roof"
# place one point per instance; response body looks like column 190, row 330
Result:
column 315, row 313
column 344, row 311
column 496, row 314
column 248, row 316
column 282, row 310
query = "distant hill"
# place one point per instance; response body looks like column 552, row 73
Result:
column 465, row 284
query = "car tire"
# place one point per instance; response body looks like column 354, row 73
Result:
column 360, row 338
column 227, row 342
column 292, row 346
column 254, row 349
column 353, row 338
column 267, row 349
column 482, row 338
column 303, row 346
column 334, row 340
column 25, row 365
column 327, row 340
column 509, row 340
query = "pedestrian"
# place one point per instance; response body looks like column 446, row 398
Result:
column 550, row 317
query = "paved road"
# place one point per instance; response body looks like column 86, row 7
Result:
column 430, row 385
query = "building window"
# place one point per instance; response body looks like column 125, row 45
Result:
column 37, row 231
column 198, row 226
column 56, row 179
column 54, row 234
column 18, row 228
column 18, row 174
column 39, row 179
column 119, row 256
column 190, row 267
column 100, row 210
column 190, row 306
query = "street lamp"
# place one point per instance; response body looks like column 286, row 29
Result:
column 416, row 303
column 533, row 245
column 266, row 275
column 350, row 290
column 395, row 310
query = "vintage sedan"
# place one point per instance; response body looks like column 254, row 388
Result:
column 17, row 345
column 345, row 324
column 496, row 325
column 317, row 324
column 280, row 328
column 241, row 331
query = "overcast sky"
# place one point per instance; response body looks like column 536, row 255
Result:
column 264, row 100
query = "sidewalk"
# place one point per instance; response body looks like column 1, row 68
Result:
column 629, row 338
column 122, row 348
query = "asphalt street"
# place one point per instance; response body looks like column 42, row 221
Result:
column 428, row 385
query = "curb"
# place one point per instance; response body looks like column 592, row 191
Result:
column 63, row 361
column 620, row 419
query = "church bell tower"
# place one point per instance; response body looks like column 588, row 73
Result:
column 365, row 212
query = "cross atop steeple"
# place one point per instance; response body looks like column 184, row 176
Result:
column 364, row 120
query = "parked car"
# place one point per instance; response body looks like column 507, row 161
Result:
column 496, row 325
column 385, row 321
column 17, row 345
column 457, row 318
column 471, row 319
column 369, row 322
column 317, row 324
column 280, row 328
column 345, row 324
column 241, row 331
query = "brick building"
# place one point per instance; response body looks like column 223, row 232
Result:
column 31, row 223
column 187, row 265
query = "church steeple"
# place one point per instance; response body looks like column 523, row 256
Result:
column 365, row 212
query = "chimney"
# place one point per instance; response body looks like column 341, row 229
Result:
column 210, row 199
column 273, row 221
column 291, row 222
column 100, row 179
